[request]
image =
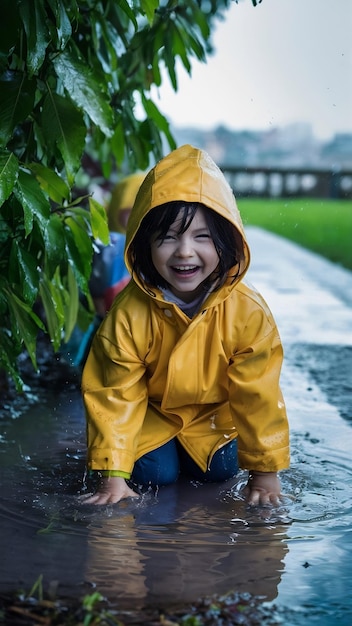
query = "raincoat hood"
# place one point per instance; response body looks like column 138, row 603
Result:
column 122, row 198
column 187, row 174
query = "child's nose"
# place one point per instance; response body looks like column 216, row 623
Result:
column 184, row 247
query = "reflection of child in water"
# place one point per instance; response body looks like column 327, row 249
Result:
column 183, row 373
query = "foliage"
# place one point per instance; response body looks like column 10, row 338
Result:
column 71, row 74
column 93, row 610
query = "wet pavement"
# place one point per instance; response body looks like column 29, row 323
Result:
column 191, row 540
column 311, row 298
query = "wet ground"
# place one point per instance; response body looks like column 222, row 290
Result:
column 191, row 540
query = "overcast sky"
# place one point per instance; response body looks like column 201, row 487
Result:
column 280, row 62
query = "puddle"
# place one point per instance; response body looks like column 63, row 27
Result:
column 188, row 540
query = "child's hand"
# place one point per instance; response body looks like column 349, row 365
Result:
column 111, row 490
column 263, row 488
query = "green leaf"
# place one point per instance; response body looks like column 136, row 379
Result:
column 85, row 313
column 161, row 122
column 10, row 25
column 149, row 7
column 118, row 143
column 63, row 126
column 71, row 304
column 192, row 37
column 105, row 38
column 25, row 266
column 26, row 324
column 123, row 4
column 8, row 174
column 170, row 63
column 17, row 102
column 85, row 88
column 179, row 48
column 156, row 72
column 35, row 25
column 8, row 357
column 79, row 251
column 34, row 204
column 78, row 212
column 50, row 182
column 153, row 112
column 63, row 24
column 202, row 22
column 51, row 299
column 55, row 245
column 99, row 223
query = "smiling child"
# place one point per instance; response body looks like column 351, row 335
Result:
column 183, row 373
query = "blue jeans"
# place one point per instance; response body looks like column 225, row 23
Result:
column 163, row 465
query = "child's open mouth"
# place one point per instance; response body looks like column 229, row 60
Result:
column 185, row 270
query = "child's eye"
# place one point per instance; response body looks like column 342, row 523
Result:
column 204, row 236
column 162, row 238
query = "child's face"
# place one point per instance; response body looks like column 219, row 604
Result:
column 185, row 260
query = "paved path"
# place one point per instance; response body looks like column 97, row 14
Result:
column 310, row 297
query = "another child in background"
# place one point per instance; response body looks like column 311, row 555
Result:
column 122, row 200
column 109, row 272
column 183, row 374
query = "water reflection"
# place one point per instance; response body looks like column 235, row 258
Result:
column 182, row 543
column 187, row 540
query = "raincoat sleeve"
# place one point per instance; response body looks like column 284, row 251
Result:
column 115, row 397
column 256, row 400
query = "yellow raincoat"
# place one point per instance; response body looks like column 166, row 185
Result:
column 154, row 374
column 122, row 199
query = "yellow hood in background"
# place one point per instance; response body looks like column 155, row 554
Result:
column 187, row 174
column 122, row 198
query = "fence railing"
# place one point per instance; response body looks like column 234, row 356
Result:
column 288, row 183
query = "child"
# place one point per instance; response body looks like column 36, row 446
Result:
column 109, row 273
column 183, row 374
column 122, row 200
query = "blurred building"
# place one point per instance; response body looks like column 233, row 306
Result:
column 286, row 147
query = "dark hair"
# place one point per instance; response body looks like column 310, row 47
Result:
column 227, row 240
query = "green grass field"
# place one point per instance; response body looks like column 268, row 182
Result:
column 323, row 226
